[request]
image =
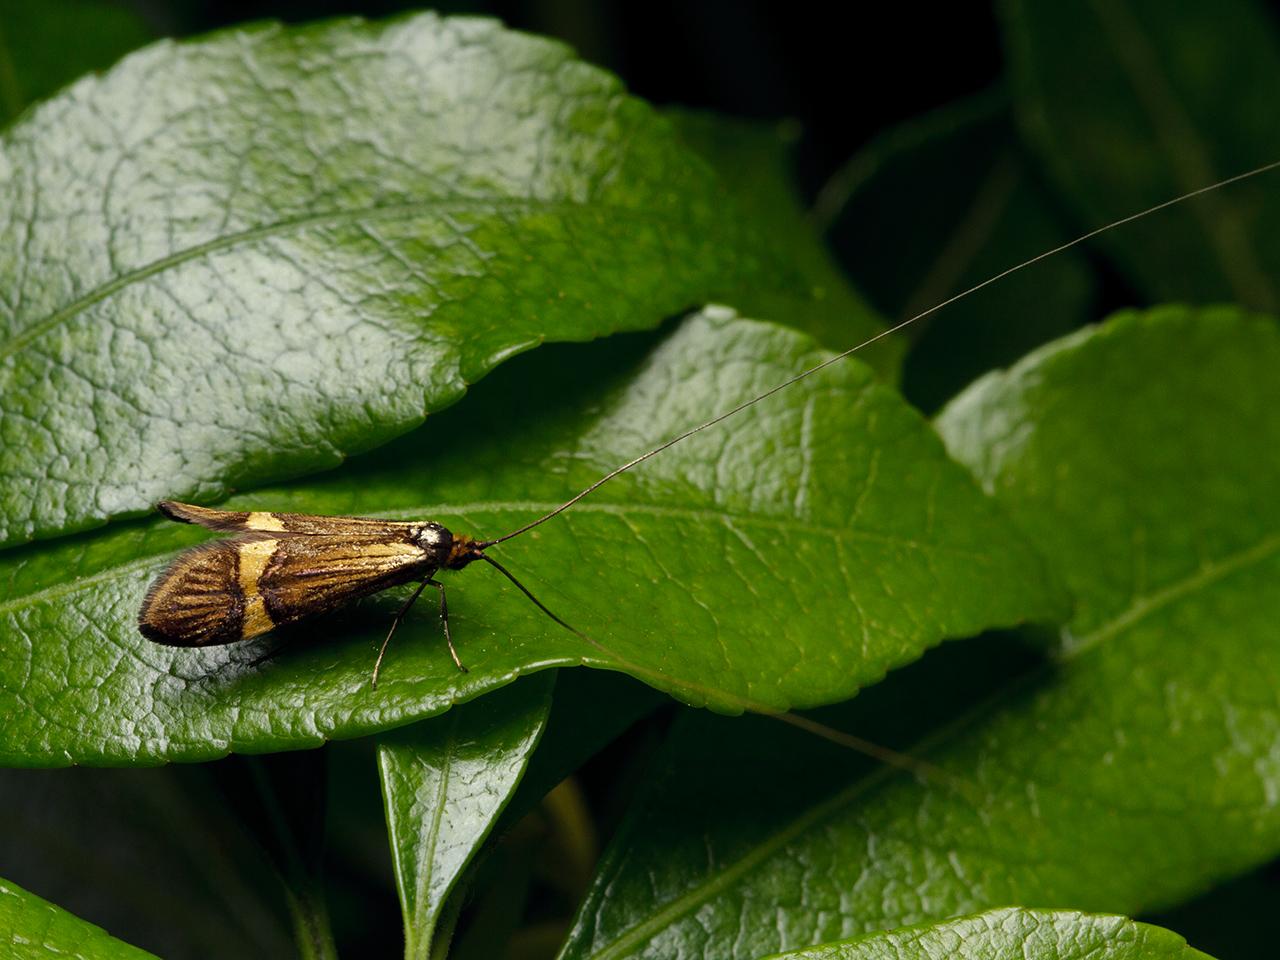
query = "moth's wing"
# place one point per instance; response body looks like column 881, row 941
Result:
column 205, row 517
column 238, row 588
column 197, row 601
column 301, row 524
column 304, row 576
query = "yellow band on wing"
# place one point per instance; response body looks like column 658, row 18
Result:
column 254, row 557
column 259, row 520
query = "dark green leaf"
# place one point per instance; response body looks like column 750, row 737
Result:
column 1134, row 772
column 1132, row 103
column 754, row 162
column 247, row 257
column 1013, row 934
column 34, row 929
column 935, row 207
column 787, row 558
column 46, row 45
column 444, row 784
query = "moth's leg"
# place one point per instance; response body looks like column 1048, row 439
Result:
column 377, row 665
column 444, row 618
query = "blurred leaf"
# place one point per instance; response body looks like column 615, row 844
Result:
column 444, row 783
column 1013, row 934
column 44, row 46
column 153, row 855
column 591, row 709
column 247, row 257
column 754, row 161
column 788, row 558
column 496, row 907
column 34, row 929
column 935, row 207
column 1130, row 104
column 1137, row 772
column 359, row 878
column 285, row 806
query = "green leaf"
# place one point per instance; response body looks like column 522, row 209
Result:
column 937, row 206
column 247, row 257
column 444, row 784
column 754, row 161
column 34, row 929
column 789, row 558
column 1132, row 103
column 44, row 46
column 1134, row 771
column 1013, row 934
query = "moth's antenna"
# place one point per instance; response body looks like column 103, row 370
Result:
column 870, row 340
column 536, row 602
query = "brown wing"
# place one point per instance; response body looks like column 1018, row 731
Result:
column 301, row 524
column 309, row 575
column 197, row 601
column 239, row 588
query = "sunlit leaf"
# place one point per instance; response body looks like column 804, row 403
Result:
column 247, row 257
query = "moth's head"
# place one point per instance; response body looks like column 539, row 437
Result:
column 436, row 541
column 464, row 551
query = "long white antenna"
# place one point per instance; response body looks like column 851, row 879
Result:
column 883, row 333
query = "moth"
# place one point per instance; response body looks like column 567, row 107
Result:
column 280, row 568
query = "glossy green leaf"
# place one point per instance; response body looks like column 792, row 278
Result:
column 1131, row 773
column 34, row 929
column 445, row 783
column 247, row 257
column 754, row 162
column 44, row 45
column 1013, row 934
column 788, row 558
column 1131, row 103
column 937, row 206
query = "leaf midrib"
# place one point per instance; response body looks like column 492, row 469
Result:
column 1145, row 605
column 1140, row 609
column 375, row 212
column 424, row 912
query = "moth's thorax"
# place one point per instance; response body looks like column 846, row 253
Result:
column 435, row 540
